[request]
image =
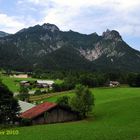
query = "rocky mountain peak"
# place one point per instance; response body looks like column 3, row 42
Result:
column 112, row 35
column 47, row 47
column 51, row 27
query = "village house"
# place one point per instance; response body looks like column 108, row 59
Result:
column 114, row 84
column 20, row 76
column 44, row 83
column 47, row 112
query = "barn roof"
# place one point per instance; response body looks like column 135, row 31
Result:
column 38, row 110
column 25, row 106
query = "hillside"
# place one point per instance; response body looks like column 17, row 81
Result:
column 115, row 117
column 3, row 34
column 47, row 47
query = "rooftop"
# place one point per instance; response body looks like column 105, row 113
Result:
column 45, row 81
column 25, row 106
column 38, row 110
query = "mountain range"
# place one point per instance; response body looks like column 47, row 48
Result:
column 46, row 47
column 3, row 34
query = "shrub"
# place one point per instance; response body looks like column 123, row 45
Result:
column 38, row 92
column 64, row 101
column 83, row 101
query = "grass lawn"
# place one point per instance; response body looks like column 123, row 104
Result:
column 13, row 83
column 116, row 116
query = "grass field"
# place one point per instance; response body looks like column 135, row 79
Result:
column 13, row 83
column 116, row 116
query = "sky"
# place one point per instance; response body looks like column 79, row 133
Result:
column 84, row 16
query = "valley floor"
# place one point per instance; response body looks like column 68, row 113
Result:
column 116, row 116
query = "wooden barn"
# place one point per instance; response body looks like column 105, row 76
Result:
column 46, row 113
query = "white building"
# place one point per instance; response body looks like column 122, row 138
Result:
column 114, row 84
column 20, row 76
column 44, row 83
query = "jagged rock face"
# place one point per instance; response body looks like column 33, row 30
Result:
column 111, row 35
column 45, row 37
column 47, row 46
column 91, row 54
column 98, row 51
column 50, row 27
column 106, row 47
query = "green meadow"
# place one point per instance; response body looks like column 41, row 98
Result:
column 13, row 83
column 115, row 116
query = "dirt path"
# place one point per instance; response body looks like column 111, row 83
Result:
column 40, row 97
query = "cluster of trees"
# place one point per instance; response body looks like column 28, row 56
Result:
column 23, row 94
column 86, row 79
column 39, row 92
column 66, row 85
column 134, row 80
column 9, row 108
column 63, row 74
column 82, row 102
column 90, row 79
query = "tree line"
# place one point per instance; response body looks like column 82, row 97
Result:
column 98, row 79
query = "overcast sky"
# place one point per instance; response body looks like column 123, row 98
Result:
column 84, row 16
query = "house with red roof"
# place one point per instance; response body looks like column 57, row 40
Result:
column 47, row 112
